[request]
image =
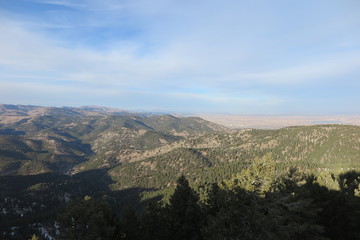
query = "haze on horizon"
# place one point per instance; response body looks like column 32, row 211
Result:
column 239, row 57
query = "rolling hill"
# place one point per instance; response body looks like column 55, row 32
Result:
column 40, row 139
column 51, row 155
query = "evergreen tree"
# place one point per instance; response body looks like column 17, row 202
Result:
column 260, row 177
column 340, row 209
column 130, row 225
column 275, row 209
column 155, row 223
column 87, row 219
column 184, row 213
column 349, row 183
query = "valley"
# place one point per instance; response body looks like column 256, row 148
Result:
column 50, row 156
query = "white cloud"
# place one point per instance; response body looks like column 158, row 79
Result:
column 323, row 70
column 235, row 51
column 186, row 60
column 92, row 5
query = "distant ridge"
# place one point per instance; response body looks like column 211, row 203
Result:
column 36, row 139
column 32, row 110
column 103, row 109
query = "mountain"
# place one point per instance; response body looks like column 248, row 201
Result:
column 37, row 139
column 218, row 156
column 45, row 139
column 49, row 156
column 31, row 111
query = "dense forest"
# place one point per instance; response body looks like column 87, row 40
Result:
column 261, row 202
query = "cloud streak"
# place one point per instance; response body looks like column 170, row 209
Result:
column 220, row 56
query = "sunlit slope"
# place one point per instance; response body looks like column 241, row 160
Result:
column 37, row 139
column 214, row 157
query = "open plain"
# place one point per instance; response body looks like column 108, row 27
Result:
column 278, row 121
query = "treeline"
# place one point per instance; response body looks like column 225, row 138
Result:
column 261, row 202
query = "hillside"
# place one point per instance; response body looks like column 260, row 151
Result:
column 41, row 139
column 214, row 157
column 69, row 141
column 49, row 156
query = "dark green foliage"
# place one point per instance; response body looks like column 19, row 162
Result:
column 290, row 211
column 87, row 219
column 349, row 183
column 270, row 213
column 155, row 223
column 180, row 219
column 29, row 202
column 130, row 225
column 295, row 207
column 183, row 212
column 340, row 213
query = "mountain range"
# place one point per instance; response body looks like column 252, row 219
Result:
column 66, row 140
column 37, row 139
column 63, row 153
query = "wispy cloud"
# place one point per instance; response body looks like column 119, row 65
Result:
column 60, row 3
column 237, row 54
column 86, row 5
column 326, row 69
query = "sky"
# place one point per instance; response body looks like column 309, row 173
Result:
column 193, row 56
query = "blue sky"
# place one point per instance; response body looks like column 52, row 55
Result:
column 200, row 56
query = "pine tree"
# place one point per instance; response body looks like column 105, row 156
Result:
column 259, row 177
column 87, row 219
column 263, row 210
column 130, row 225
column 184, row 213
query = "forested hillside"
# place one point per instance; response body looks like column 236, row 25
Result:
column 322, row 149
column 38, row 140
column 49, row 157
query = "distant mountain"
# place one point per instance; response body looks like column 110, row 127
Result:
column 30, row 110
column 37, row 139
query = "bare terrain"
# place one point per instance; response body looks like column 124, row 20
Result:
column 278, row 121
